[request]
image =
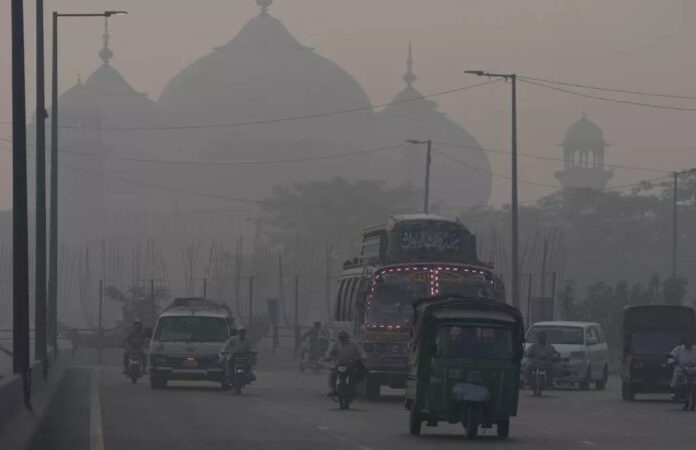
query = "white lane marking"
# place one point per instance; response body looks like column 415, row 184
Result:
column 340, row 437
column 323, row 428
column 590, row 443
column 364, row 447
column 96, row 436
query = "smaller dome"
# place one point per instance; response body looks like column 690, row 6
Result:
column 584, row 131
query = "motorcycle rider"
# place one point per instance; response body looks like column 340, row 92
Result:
column 312, row 338
column 343, row 352
column 682, row 355
column 135, row 342
column 541, row 354
column 238, row 345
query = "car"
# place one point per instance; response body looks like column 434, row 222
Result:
column 186, row 341
column 583, row 349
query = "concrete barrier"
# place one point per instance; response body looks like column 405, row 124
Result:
column 17, row 421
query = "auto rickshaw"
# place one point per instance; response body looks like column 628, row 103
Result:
column 650, row 333
column 464, row 364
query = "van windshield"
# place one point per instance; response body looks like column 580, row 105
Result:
column 191, row 329
column 558, row 335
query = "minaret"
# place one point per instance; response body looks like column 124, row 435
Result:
column 264, row 5
column 105, row 53
column 409, row 76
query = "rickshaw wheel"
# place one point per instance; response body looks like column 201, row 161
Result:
column 503, row 429
column 414, row 421
column 472, row 430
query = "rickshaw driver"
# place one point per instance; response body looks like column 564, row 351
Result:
column 541, row 354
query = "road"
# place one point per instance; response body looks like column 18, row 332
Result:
column 288, row 410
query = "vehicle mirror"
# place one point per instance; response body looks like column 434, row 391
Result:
column 148, row 332
column 592, row 340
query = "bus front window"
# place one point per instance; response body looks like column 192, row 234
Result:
column 393, row 295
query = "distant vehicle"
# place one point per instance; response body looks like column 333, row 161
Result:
column 186, row 342
column 650, row 333
column 408, row 258
column 583, row 349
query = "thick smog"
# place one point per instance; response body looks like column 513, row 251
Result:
column 364, row 225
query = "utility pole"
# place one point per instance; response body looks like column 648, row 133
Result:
column 52, row 308
column 20, row 226
column 40, row 346
column 514, row 198
column 251, row 300
column 529, row 299
column 205, row 287
column 296, row 328
column 327, row 292
column 428, row 163
column 100, row 322
column 674, row 226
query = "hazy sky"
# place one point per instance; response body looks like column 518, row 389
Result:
column 630, row 44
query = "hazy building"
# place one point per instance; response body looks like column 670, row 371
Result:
column 583, row 157
column 460, row 171
column 261, row 78
column 91, row 194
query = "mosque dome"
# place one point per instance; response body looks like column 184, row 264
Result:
column 265, row 73
column 411, row 116
column 584, row 132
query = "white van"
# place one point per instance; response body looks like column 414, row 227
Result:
column 583, row 349
column 186, row 341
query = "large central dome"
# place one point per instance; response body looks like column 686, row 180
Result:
column 265, row 73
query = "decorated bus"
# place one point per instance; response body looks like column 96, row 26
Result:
column 411, row 257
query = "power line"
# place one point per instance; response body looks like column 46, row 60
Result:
column 609, row 99
column 193, row 193
column 277, row 120
column 459, row 161
column 229, row 163
column 605, row 89
column 549, row 158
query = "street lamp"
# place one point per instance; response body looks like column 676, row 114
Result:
column 428, row 161
column 514, row 204
column 53, row 245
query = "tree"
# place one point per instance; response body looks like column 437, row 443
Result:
column 331, row 210
column 138, row 303
column 674, row 290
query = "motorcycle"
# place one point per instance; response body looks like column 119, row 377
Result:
column 135, row 365
column 347, row 378
column 540, row 374
column 238, row 372
column 689, row 387
column 310, row 358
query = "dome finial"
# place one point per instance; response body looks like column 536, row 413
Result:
column 409, row 76
column 105, row 53
column 264, row 4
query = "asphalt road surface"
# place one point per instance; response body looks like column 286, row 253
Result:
column 98, row 408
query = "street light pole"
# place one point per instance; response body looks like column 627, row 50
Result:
column 40, row 346
column 20, row 226
column 428, row 163
column 52, row 309
column 674, row 225
column 514, row 200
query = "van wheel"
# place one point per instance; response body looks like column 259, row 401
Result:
column 372, row 389
column 585, row 383
column 503, row 429
column 158, row 382
column 627, row 392
column 602, row 383
column 414, row 421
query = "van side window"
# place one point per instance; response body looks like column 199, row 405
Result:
column 339, row 301
column 351, row 298
column 592, row 335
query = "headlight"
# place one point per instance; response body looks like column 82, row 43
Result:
column 578, row 355
column 342, row 369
